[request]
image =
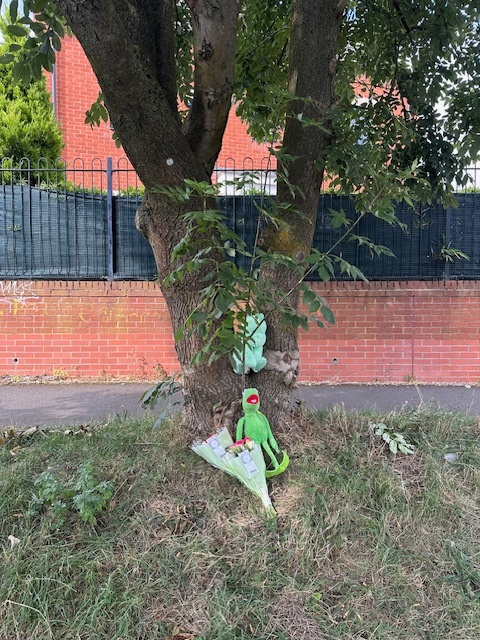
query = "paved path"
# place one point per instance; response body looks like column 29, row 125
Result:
column 28, row 405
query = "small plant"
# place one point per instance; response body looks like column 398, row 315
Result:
column 83, row 494
column 447, row 253
column 466, row 574
column 51, row 495
column 165, row 391
column 396, row 442
column 91, row 497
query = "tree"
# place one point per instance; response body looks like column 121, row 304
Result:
column 351, row 88
column 27, row 124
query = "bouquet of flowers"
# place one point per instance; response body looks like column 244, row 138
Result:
column 242, row 459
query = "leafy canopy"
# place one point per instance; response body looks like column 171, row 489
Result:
column 27, row 124
column 407, row 81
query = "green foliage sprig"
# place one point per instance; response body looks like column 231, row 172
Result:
column 447, row 253
column 82, row 494
column 98, row 113
column 396, row 441
column 231, row 292
column 164, row 391
column 38, row 30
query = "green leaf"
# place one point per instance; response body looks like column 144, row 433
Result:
column 328, row 315
column 35, row 68
column 309, row 296
column 303, row 322
column 17, row 30
column 314, row 306
column 323, row 273
column 39, row 5
column 45, row 46
column 202, row 330
column 37, row 28
column 56, row 42
column 195, row 318
column 338, row 218
column 26, row 74
column 407, row 449
column 222, row 302
column 7, row 58
column 13, row 10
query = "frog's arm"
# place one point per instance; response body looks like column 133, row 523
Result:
column 271, row 439
column 240, row 424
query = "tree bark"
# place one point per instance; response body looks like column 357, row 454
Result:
column 212, row 392
column 129, row 44
column 214, row 40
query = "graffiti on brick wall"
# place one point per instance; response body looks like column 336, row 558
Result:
column 16, row 294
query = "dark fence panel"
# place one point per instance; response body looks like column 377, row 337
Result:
column 463, row 232
column 133, row 256
column 55, row 233
column 417, row 250
column 52, row 234
column 241, row 214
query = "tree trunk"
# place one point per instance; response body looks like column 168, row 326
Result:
column 211, row 393
column 312, row 67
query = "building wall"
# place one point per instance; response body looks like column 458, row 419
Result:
column 384, row 332
column 76, row 89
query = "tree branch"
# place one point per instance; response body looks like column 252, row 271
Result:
column 214, row 25
column 152, row 33
column 312, row 70
column 139, row 106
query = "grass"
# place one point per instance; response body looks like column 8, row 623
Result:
column 365, row 546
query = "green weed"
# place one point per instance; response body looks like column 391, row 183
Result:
column 82, row 494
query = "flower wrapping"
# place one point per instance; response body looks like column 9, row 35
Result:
column 242, row 460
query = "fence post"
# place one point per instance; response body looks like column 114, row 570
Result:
column 110, row 221
column 448, row 239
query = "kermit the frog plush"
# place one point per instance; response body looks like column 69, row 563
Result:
column 254, row 425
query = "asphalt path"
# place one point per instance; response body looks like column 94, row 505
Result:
column 55, row 405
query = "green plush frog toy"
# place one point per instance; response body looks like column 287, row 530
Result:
column 254, row 425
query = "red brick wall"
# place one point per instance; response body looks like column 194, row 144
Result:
column 397, row 331
column 76, row 90
column 239, row 150
column 384, row 332
column 84, row 329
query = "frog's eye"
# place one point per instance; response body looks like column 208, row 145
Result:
column 253, row 399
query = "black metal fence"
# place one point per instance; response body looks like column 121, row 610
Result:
column 77, row 222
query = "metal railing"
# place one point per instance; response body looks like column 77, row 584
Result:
column 73, row 221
